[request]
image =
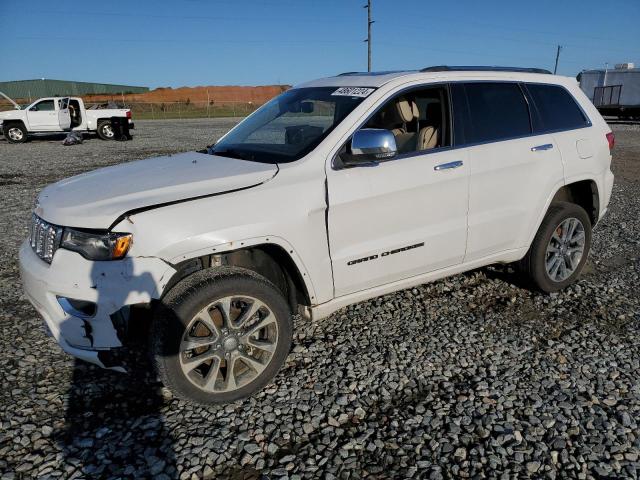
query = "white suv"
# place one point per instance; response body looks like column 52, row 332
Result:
column 338, row 190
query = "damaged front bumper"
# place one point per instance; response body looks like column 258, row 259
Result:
column 84, row 302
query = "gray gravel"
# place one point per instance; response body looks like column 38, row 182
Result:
column 472, row 376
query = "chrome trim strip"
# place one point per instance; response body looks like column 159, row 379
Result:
column 447, row 84
column 44, row 238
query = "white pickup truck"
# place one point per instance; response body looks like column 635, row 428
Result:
column 58, row 114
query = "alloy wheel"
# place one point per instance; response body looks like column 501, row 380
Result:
column 565, row 249
column 228, row 344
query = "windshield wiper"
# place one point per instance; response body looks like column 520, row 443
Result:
column 233, row 153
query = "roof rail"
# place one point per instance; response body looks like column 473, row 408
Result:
column 372, row 74
column 465, row 68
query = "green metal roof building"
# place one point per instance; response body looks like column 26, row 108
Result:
column 45, row 87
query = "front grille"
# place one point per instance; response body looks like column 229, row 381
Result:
column 44, row 238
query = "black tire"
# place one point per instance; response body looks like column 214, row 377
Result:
column 15, row 132
column 533, row 265
column 191, row 296
column 105, row 131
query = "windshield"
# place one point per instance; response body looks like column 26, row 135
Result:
column 289, row 126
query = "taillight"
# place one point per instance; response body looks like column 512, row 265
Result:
column 611, row 138
column 128, row 113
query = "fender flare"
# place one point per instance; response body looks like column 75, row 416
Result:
column 10, row 121
column 598, row 181
column 550, row 198
column 241, row 244
column 536, row 226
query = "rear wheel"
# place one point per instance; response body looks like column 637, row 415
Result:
column 560, row 248
column 15, row 133
column 221, row 336
column 105, row 130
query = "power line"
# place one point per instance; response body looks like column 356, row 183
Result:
column 216, row 18
column 441, row 24
column 282, row 41
column 485, row 36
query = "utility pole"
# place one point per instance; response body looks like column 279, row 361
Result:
column 555, row 69
column 368, row 40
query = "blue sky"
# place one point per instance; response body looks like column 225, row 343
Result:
column 227, row 42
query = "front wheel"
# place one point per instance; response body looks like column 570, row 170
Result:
column 222, row 335
column 105, row 130
column 15, row 133
column 560, row 248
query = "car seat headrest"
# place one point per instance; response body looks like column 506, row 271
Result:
column 406, row 110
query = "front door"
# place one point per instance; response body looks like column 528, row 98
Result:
column 42, row 116
column 405, row 216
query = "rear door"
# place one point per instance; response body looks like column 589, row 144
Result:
column 512, row 171
column 64, row 116
column 42, row 116
column 560, row 114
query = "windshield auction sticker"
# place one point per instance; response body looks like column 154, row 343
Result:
column 353, row 91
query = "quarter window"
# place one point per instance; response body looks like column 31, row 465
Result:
column 556, row 107
column 498, row 111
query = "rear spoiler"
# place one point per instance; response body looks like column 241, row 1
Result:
column 16, row 106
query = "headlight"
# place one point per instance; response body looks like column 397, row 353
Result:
column 96, row 246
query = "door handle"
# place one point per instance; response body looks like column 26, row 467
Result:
column 448, row 166
column 538, row 148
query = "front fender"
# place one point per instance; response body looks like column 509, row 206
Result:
column 231, row 246
column 284, row 212
column 17, row 116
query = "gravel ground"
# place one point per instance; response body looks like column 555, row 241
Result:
column 472, row 376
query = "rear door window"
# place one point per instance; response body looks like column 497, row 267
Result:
column 498, row 111
column 556, row 108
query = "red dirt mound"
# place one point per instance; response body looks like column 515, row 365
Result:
column 258, row 95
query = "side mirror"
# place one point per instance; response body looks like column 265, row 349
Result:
column 371, row 145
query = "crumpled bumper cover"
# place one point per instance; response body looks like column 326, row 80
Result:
column 110, row 285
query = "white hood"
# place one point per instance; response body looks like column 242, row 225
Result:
column 96, row 199
column 16, row 106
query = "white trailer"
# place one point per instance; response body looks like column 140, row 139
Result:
column 614, row 92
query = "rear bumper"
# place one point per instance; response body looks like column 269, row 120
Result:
column 131, row 124
column 111, row 286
